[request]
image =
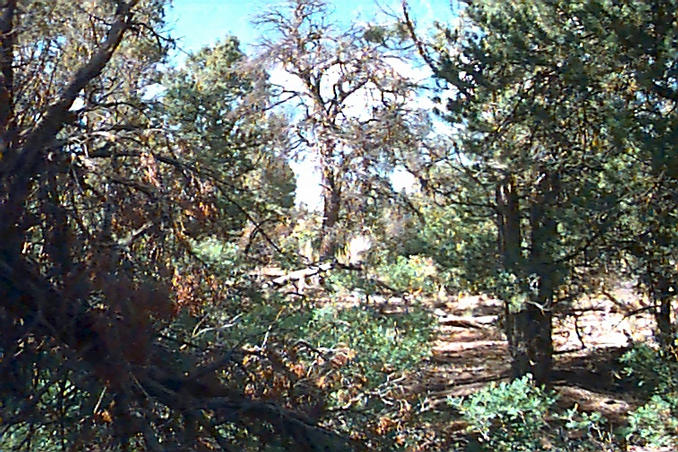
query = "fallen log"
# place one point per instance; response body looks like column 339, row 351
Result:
column 302, row 274
column 480, row 323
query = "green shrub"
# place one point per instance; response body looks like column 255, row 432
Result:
column 369, row 354
column 584, row 432
column 655, row 373
column 653, row 424
column 379, row 343
column 348, row 281
column 652, row 371
column 509, row 416
column 412, row 273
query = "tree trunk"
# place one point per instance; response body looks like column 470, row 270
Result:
column 529, row 330
column 331, row 207
column 544, row 235
column 662, row 297
column 509, row 243
column 510, row 236
column 664, row 324
column 531, row 348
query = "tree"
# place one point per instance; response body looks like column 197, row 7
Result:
column 541, row 98
column 218, row 112
column 94, row 202
column 351, row 108
column 644, row 36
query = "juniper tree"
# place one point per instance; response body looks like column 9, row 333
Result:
column 565, row 112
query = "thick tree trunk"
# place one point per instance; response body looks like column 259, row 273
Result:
column 529, row 329
column 544, row 234
column 509, row 243
column 531, row 349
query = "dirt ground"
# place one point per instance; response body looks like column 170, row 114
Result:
column 470, row 351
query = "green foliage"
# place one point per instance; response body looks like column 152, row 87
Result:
column 566, row 113
column 410, row 274
column 130, row 222
column 380, row 343
column 584, row 432
column 377, row 344
column 369, row 345
column 217, row 109
column 347, row 281
column 652, row 371
column 221, row 256
column 509, row 416
column 519, row 416
column 654, row 423
column 460, row 243
column 343, row 363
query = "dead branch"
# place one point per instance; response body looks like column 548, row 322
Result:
column 298, row 275
column 479, row 323
column 18, row 173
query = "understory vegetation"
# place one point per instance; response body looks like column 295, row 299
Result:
column 163, row 287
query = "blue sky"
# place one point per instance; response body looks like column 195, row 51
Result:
column 201, row 22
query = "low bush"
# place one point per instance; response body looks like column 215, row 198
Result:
column 654, row 373
column 411, row 274
column 653, row 424
column 508, row 416
column 519, row 416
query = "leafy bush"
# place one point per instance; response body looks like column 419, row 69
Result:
column 350, row 281
column 369, row 353
column 509, row 416
column 378, row 344
column 584, row 432
column 513, row 417
column 653, row 424
column 652, row 371
column 462, row 244
column 655, row 373
column 221, row 256
column 413, row 273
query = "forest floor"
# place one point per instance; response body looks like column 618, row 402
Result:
column 469, row 351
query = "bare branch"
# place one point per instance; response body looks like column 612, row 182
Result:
column 16, row 175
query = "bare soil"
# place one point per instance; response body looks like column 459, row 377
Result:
column 470, row 351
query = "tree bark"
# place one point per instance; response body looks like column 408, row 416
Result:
column 662, row 299
column 508, row 219
column 331, row 208
column 509, row 240
column 529, row 330
column 664, row 323
column 544, row 233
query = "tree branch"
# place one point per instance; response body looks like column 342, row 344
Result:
column 7, row 39
column 16, row 175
